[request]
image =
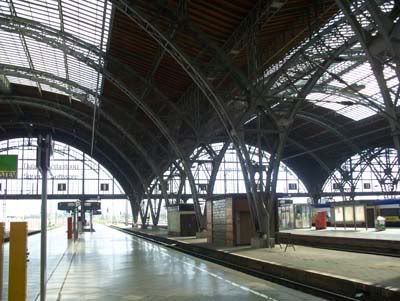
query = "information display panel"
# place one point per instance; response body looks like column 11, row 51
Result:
column 8, row 166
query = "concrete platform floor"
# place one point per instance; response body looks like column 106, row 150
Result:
column 110, row 265
column 364, row 268
column 388, row 234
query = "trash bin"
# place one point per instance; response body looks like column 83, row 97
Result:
column 320, row 221
column 380, row 223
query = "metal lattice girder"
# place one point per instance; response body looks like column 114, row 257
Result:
column 388, row 178
column 144, row 212
column 98, row 87
column 216, row 166
column 294, row 64
column 261, row 13
column 135, row 207
column 379, row 160
column 364, row 161
column 352, row 97
column 291, row 115
column 301, row 62
column 76, row 90
column 366, row 101
column 388, row 29
column 377, row 67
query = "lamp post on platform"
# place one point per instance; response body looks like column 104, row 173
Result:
column 44, row 151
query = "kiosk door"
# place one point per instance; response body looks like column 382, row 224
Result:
column 371, row 217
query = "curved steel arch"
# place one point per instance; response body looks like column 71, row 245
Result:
column 358, row 98
column 66, row 141
column 33, row 74
column 272, row 78
column 366, row 160
column 318, row 159
column 44, row 34
column 119, row 127
column 75, row 119
column 383, row 24
column 27, row 71
column 81, row 50
column 314, row 119
column 131, row 11
column 301, row 96
column 132, row 140
column 65, row 132
column 54, row 149
column 68, row 133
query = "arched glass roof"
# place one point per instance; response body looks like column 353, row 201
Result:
column 27, row 61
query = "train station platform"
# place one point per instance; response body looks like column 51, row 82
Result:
column 331, row 269
column 362, row 233
column 361, row 240
column 111, row 265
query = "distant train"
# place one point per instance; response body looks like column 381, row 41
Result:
column 388, row 208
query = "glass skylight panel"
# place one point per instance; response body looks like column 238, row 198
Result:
column 82, row 74
column 335, row 103
column 4, row 8
column 84, row 19
column 46, row 58
column 43, row 11
column 356, row 112
column 11, row 50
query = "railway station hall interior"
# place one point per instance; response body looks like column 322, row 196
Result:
column 200, row 150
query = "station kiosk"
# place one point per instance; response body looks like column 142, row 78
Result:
column 293, row 216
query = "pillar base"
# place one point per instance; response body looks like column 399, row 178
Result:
column 260, row 242
column 201, row 234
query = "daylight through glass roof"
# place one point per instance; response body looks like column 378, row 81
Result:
column 27, row 61
column 348, row 86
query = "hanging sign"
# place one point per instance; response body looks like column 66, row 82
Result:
column 8, row 166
